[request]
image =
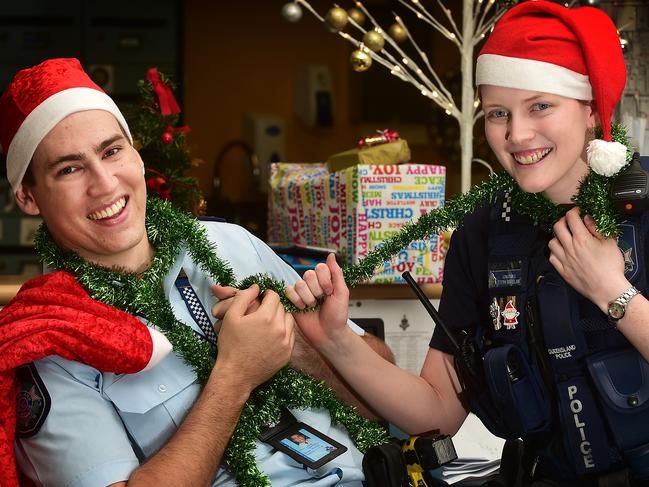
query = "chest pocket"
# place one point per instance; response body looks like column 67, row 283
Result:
column 152, row 404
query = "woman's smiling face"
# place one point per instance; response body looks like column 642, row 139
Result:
column 538, row 138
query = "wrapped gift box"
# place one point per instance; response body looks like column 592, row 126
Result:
column 391, row 153
column 356, row 209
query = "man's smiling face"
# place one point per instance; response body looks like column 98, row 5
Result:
column 89, row 188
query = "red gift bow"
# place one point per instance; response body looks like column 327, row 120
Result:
column 383, row 137
column 166, row 98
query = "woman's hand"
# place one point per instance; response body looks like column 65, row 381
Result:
column 591, row 264
column 328, row 323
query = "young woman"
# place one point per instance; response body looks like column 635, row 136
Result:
column 557, row 321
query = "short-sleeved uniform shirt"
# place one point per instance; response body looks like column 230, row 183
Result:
column 100, row 426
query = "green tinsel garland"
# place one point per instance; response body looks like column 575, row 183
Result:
column 167, row 228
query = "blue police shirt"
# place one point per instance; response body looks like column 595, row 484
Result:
column 100, row 426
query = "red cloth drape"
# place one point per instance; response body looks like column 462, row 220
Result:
column 54, row 315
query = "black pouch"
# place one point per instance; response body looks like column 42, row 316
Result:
column 517, row 392
column 385, row 466
column 622, row 379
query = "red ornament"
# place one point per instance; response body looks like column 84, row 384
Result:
column 167, row 138
column 161, row 185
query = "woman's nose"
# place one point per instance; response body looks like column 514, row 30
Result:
column 519, row 130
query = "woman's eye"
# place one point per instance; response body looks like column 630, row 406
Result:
column 539, row 107
column 498, row 114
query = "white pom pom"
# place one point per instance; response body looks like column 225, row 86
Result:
column 606, row 158
column 161, row 348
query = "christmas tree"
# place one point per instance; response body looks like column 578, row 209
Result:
column 154, row 123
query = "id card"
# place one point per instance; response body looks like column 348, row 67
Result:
column 301, row 442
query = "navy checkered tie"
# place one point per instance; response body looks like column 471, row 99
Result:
column 195, row 308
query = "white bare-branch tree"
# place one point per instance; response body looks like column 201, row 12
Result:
column 478, row 18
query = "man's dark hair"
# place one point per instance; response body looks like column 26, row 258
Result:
column 28, row 178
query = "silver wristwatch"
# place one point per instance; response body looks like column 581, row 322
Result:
column 617, row 307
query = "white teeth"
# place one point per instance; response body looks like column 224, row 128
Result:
column 532, row 158
column 108, row 212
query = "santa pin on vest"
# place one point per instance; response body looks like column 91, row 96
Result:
column 510, row 315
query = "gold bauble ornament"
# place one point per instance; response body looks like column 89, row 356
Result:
column 356, row 15
column 336, row 18
column 360, row 61
column 398, row 33
column 373, row 40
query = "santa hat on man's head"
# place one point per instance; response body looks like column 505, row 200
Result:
column 37, row 99
column 576, row 53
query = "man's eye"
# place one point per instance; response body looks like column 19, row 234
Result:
column 112, row 151
column 67, row 170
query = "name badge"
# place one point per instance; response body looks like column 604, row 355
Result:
column 505, row 274
column 310, row 447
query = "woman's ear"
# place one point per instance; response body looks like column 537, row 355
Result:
column 593, row 117
column 26, row 201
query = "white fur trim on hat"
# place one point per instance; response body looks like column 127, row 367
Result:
column 606, row 158
column 44, row 118
column 528, row 74
column 161, row 348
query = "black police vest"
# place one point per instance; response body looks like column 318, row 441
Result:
column 557, row 374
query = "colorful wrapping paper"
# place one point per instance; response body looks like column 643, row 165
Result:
column 354, row 210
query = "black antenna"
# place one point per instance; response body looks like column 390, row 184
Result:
column 430, row 308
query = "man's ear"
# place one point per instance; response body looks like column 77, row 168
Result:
column 26, row 201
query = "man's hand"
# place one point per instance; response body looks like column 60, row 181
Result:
column 325, row 325
column 591, row 264
column 225, row 294
column 255, row 340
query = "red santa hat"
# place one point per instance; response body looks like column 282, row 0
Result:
column 576, row 53
column 36, row 100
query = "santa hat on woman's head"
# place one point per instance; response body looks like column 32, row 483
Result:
column 36, row 100
column 576, row 53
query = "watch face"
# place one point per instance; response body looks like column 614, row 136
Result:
column 616, row 310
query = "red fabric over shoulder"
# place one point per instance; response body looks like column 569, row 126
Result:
column 54, row 315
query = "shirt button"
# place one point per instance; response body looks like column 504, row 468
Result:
column 162, row 388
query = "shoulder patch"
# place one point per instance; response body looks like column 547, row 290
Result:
column 32, row 401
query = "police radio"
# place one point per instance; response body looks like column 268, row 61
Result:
column 630, row 190
column 468, row 360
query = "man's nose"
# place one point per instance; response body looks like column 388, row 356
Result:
column 519, row 130
column 103, row 179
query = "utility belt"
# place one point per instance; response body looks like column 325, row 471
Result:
column 549, row 384
column 407, row 463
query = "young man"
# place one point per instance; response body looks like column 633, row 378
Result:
column 71, row 161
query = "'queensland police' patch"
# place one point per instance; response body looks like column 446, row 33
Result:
column 628, row 245
column 505, row 274
column 32, row 401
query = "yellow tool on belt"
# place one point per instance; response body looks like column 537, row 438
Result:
column 413, row 465
column 407, row 463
